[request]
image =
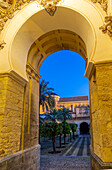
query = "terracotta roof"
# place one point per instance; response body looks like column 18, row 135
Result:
column 77, row 98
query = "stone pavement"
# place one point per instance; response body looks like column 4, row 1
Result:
column 80, row 147
column 75, row 157
column 64, row 163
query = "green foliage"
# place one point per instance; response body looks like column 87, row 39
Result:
column 50, row 129
column 60, row 129
column 52, row 116
column 73, row 126
column 64, row 114
column 45, row 98
column 66, row 127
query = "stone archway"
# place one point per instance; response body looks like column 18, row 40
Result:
column 84, row 128
column 19, row 89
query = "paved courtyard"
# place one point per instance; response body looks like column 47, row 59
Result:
column 80, row 147
column 74, row 157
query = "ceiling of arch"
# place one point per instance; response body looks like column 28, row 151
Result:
column 54, row 41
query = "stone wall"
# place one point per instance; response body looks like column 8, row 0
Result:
column 19, row 147
column 101, row 111
column 31, row 137
column 11, row 107
column 29, row 159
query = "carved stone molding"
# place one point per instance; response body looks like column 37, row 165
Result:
column 107, row 27
column 50, row 6
column 2, row 43
column 8, row 7
column 32, row 72
column 103, row 4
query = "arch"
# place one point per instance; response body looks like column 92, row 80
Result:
column 84, row 128
column 54, row 41
column 37, row 22
column 24, row 41
column 28, row 26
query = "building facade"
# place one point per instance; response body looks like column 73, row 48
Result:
column 79, row 107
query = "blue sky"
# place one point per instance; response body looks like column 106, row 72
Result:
column 64, row 70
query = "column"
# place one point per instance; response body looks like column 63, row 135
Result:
column 100, row 84
column 11, row 109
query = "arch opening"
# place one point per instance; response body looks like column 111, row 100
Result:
column 35, row 28
column 84, row 128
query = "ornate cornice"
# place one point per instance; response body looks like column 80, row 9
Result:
column 107, row 27
column 32, row 72
column 2, row 43
column 8, row 7
column 103, row 4
column 50, row 6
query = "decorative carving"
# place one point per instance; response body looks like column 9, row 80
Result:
column 32, row 72
column 7, row 9
column 50, row 6
column 107, row 27
column 103, row 4
column 2, row 45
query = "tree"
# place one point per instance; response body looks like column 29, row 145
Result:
column 66, row 129
column 60, row 132
column 51, row 129
column 45, row 97
column 64, row 115
column 52, row 116
column 73, row 126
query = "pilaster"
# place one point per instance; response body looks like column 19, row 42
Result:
column 100, row 84
column 11, row 109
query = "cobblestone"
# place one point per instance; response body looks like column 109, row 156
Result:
column 64, row 163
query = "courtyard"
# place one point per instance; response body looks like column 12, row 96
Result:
column 74, row 156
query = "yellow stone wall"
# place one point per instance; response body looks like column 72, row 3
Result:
column 101, row 111
column 31, row 137
column 11, row 107
column 74, row 103
column 66, row 104
column 14, row 135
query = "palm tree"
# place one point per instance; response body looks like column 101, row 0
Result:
column 64, row 115
column 45, row 97
column 52, row 116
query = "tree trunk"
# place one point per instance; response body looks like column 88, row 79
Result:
column 60, row 140
column 73, row 135
column 64, row 133
column 64, row 138
column 53, row 143
column 70, row 137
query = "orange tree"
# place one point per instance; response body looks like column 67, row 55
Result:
column 73, row 126
column 66, row 129
column 65, row 114
column 51, row 129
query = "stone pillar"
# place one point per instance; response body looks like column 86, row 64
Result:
column 11, row 108
column 19, row 125
column 32, row 109
column 100, row 84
